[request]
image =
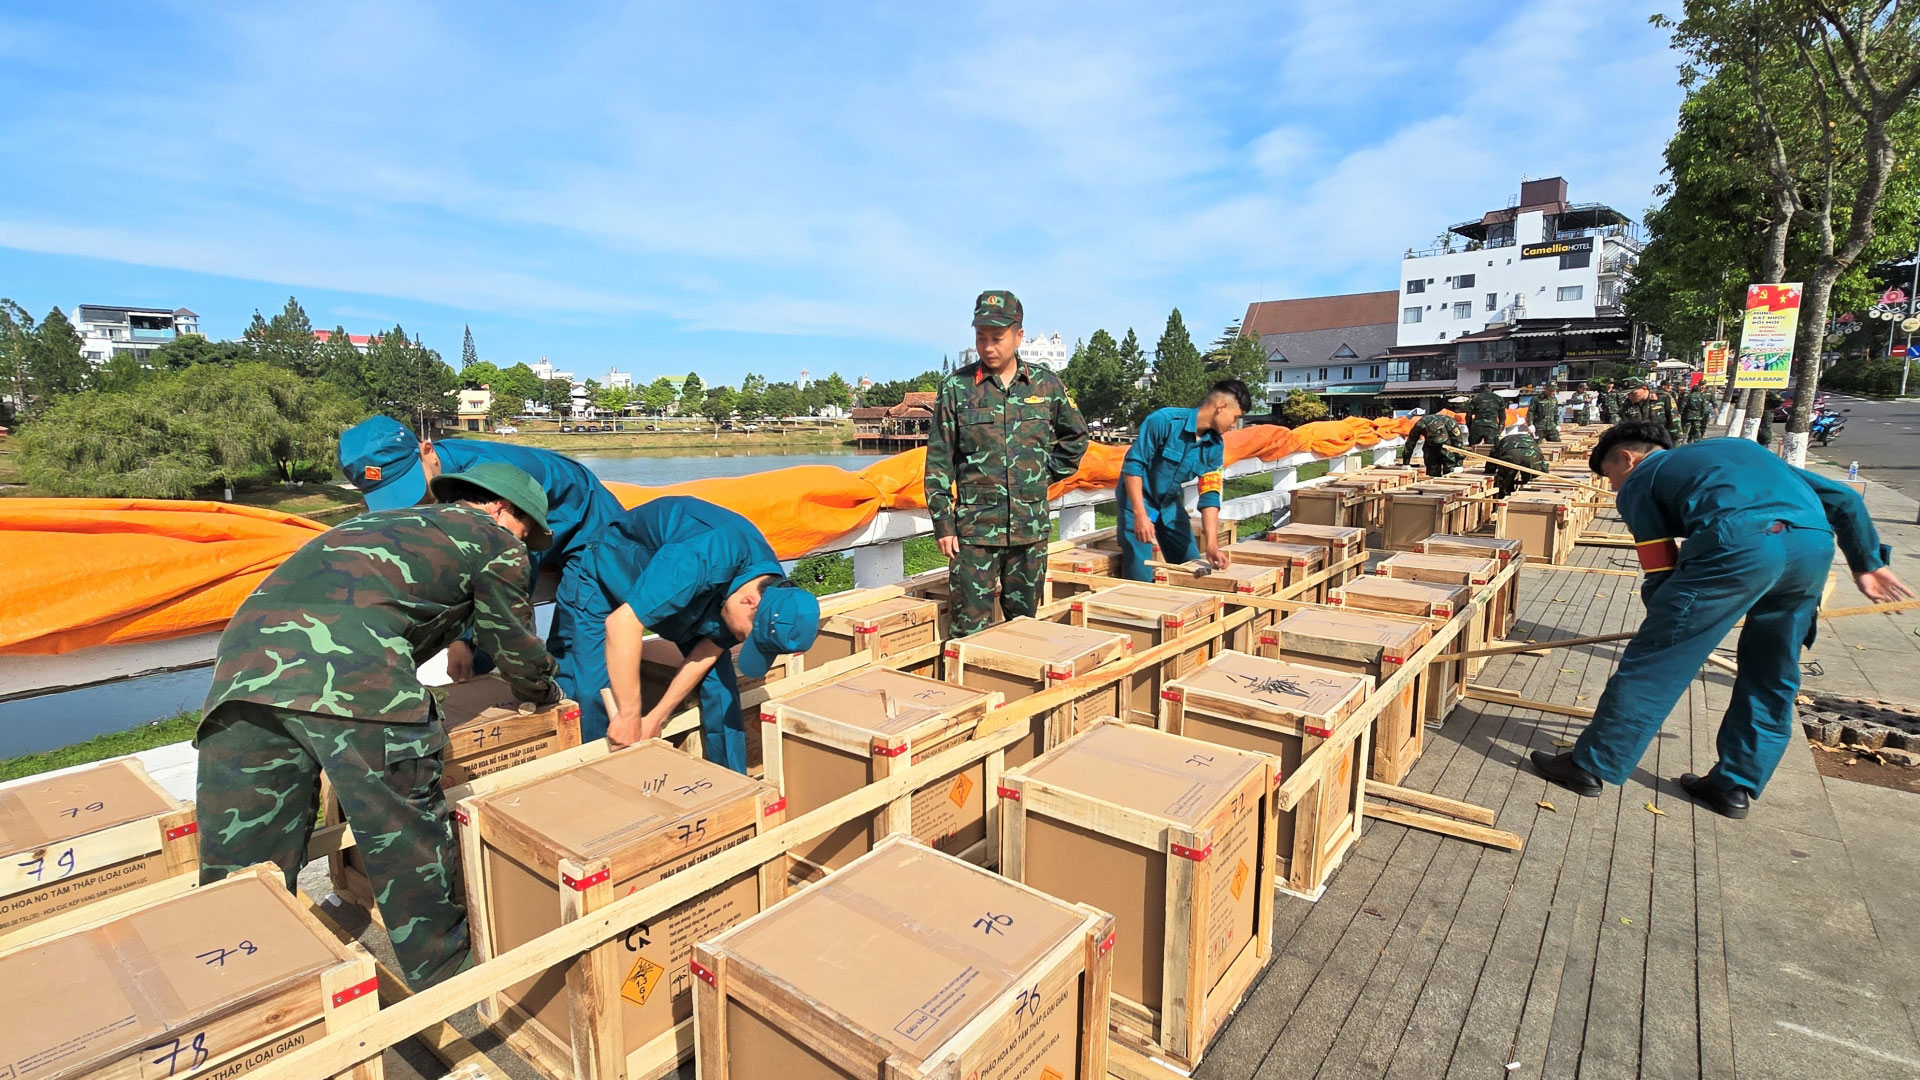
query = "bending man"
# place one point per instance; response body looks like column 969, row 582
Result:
column 1173, row 447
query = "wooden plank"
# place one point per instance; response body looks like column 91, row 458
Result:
column 1465, row 811
column 1481, row 693
column 1540, row 646
column 1446, row 826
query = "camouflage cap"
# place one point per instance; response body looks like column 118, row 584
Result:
column 997, row 307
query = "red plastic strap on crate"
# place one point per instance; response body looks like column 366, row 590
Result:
column 1008, row 793
column 768, row 718
column 1196, row 854
column 888, row 751
column 1245, row 587
column 355, row 992
column 1107, row 945
column 1333, row 600
column 699, row 972
column 953, row 653
column 570, row 714
column 1079, row 607
column 460, row 816
column 1172, row 695
column 1443, row 611
column 1268, row 637
column 774, row 807
column 588, row 882
column 1058, row 674
column 179, row 831
column 866, row 629
column 1319, row 732
column 1173, row 624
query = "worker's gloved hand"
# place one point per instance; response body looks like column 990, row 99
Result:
column 1883, row 586
column 459, row 661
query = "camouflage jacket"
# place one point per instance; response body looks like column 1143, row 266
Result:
column 1544, row 411
column 1517, row 449
column 1632, row 410
column 1438, row 431
column 1695, row 405
column 339, row 627
column 993, row 452
column 1487, row 408
column 1609, row 406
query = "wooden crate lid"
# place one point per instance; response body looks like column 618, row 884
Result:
column 858, row 703
column 81, row 999
column 1276, row 688
column 905, row 943
column 1278, row 553
column 1441, row 493
column 1149, row 772
column 1375, row 593
column 600, row 807
column 1482, row 546
column 1479, row 567
column 1048, row 643
column 899, row 611
column 39, row 812
column 1537, row 501
column 1324, row 534
column 1247, row 579
column 1149, row 601
column 1396, row 638
column 1091, row 558
column 487, row 699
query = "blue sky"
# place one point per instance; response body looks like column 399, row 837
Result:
column 769, row 187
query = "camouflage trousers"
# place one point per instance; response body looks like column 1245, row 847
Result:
column 978, row 574
column 1695, row 430
column 259, row 792
column 1547, row 432
column 1483, row 433
column 1437, row 462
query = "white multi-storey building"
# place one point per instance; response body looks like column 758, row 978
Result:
column 1047, row 351
column 107, row 331
column 1539, row 258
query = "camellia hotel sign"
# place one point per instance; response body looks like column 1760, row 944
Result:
column 1552, row 248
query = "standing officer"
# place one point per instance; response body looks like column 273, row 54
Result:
column 1173, row 447
column 1516, row 449
column 1002, row 433
column 704, row 578
column 1637, row 404
column 392, row 469
column 1609, row 404
column 1759, row 540
column 1695, row 408
column 1435, row 432
column 316, row 673
column 1667, row 410
column 1544, row 412
column 1486, row 415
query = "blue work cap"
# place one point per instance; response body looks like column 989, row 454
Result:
column 787, row 622
column 382, row 459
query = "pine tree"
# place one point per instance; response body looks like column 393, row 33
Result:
column 468, row 355
column 1133, row 376
column 1179, row 378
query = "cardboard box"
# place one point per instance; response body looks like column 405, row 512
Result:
column 1080, row 560
column 1506, row 610
column 89, row 843
column 1121, row 806
column 1372, row 644
column 1447, row 680
column 1415, row 513
column 555, row 849
column 1341, row 543
column 1299, row 562
column 830, row 740
column 877, row 630
column 1021, row 657
column 1544, row 524
column 1290, row 711
column 908, row 965
column 487, row 732
column 214, row 982
column 1150, row 615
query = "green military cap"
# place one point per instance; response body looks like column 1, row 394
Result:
column 997, row 307
column 1636, row 384
column 511, row 484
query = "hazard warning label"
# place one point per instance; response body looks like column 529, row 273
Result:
column 638, row 986
column 962, row 787
column 1239, row 883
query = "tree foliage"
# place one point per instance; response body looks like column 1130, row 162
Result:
column 1301, row 407
column 469, row 355
column 188, row 350
column 1234, row 355
column 719, row 404
column 658, row 397
column 693, row 394
column 285, row 341
column 1179, row 376
column 517, row 384
column 1097, row 379
column 407, row 380
column 184, row 433
column 894, row 391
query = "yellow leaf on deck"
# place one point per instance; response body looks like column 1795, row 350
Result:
column 1561, row 742
column 1652, row 809
column 1626, row 921
column 1545, row 805
column 1566, row 671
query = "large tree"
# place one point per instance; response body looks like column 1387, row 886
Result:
column 469, row 355
column 409, row 381
column 339, row 363
column 1234, row 355
column 693, row 394
column 750, row 399
column 1096, row 377
column 833, row 391
column 285, row 341
column 1179, row 376
column 55, row 366
column 518, row 384
column 1133, row 374
column 781, row 400
column 658, row 397
column 187, row 350
column 719, row 404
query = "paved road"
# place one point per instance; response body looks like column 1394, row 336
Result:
column 1883, row 436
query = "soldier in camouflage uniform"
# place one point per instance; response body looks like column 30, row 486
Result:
column 1609, row 404
column 1773, row 401
column 1637, row 404
column 1586, row 406
column 1003, row 432
column 1544, row 413
column 1516, row 449
column 1435, row 432
column 1667, row 410
column 1695, row 408
column 1486, row 415
column 316, row 672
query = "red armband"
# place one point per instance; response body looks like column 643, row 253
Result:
column 1657, row 555
column 1210, row 483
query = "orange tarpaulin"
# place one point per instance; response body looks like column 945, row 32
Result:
column 116, row 571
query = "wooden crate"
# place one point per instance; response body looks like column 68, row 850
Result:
column 1225, row 535
column 1287, row 710
column 1447, row 681
column 1080, row 560
column 827, row 741
column 1415, row 513
column 1507, row 607
column 1439, row 569
column 1150, row 615
column 1120, row 807
column 1332, row 504
column 561, row 847
column 1544, row 524
column 214, row 982
column 1021, row 657
column 1298, row 561
column 1341, row 543
column 878, row 630
column 1476, row 507
column 1240, row 579
column 1373, row 644
column 88, row 843
column 908, row 965
column 487, row 732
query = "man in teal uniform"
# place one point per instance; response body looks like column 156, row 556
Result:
column 392, row 468
column 1173, row 447
column 1759, row 541
column 1003, row 432
column 702, row 577
column 316, row 672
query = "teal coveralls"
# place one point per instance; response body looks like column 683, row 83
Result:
column 674, row 560
column 1170, row 450
column 1759, row 539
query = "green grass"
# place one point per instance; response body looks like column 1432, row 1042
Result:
column 9, row 463
column 173, row 729
column 320, row 501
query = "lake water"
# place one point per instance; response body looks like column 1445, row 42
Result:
column 54, row 720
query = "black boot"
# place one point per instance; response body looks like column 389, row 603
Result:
column 1560, row 769
column 1727, row 802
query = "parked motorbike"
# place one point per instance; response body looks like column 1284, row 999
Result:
column 1828, row 424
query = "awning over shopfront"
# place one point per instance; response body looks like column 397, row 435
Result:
column 1357, row 390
